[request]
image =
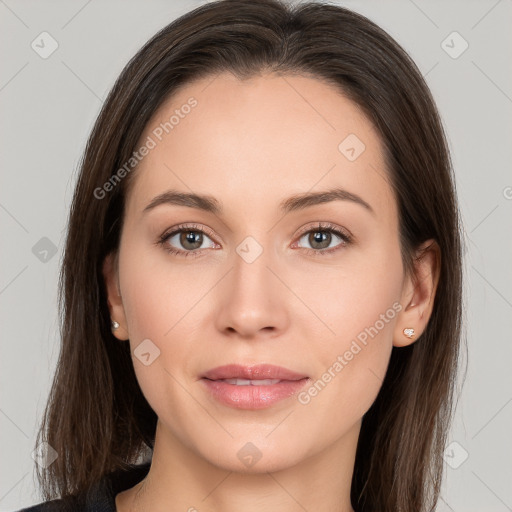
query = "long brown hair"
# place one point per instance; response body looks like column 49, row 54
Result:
column 97, row 418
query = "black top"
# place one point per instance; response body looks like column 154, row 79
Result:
column 100, row 497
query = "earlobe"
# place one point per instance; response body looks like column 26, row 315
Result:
column 114, row 298
column 418, row 295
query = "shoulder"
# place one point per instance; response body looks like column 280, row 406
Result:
column 71, row 503
column 100, row 497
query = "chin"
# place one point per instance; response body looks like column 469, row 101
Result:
column 254, row 454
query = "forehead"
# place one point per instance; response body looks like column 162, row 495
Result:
column 256, row 141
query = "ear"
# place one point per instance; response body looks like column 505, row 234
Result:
column 114, row 299
column 418, row 294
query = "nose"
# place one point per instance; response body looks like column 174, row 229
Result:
column 252, row 300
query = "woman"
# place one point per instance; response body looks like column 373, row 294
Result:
column 261, row 288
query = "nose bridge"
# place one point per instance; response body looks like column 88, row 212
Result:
column 253, row 256
column 251, row 297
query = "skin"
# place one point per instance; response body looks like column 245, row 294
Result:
column 252, row 144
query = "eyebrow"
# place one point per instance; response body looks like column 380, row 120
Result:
column 298, row 202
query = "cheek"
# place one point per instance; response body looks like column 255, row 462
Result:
column 360, row 293
column 158, row 294
column 164, row 303
column 359, row 306
column 159, row 299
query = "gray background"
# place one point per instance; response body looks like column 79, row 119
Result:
column 49, row 105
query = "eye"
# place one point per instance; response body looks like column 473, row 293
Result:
column 188, row 240
column 185, row 240
column 322, row 237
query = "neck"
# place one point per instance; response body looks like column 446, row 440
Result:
column 180, row 479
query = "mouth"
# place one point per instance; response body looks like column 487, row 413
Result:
column 252, row 387
column 245, row 382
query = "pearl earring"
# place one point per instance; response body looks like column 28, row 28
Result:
column 115, row 325
column 409, row 332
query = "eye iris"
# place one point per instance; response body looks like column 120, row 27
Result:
column 191, row 237
column 320, row 237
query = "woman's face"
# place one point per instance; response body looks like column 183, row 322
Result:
column 257, row 282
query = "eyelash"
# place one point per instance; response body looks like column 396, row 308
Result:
column 322, row 227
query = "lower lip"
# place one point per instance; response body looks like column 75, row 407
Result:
column 253, row 397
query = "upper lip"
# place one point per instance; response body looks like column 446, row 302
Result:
column 253, row 372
